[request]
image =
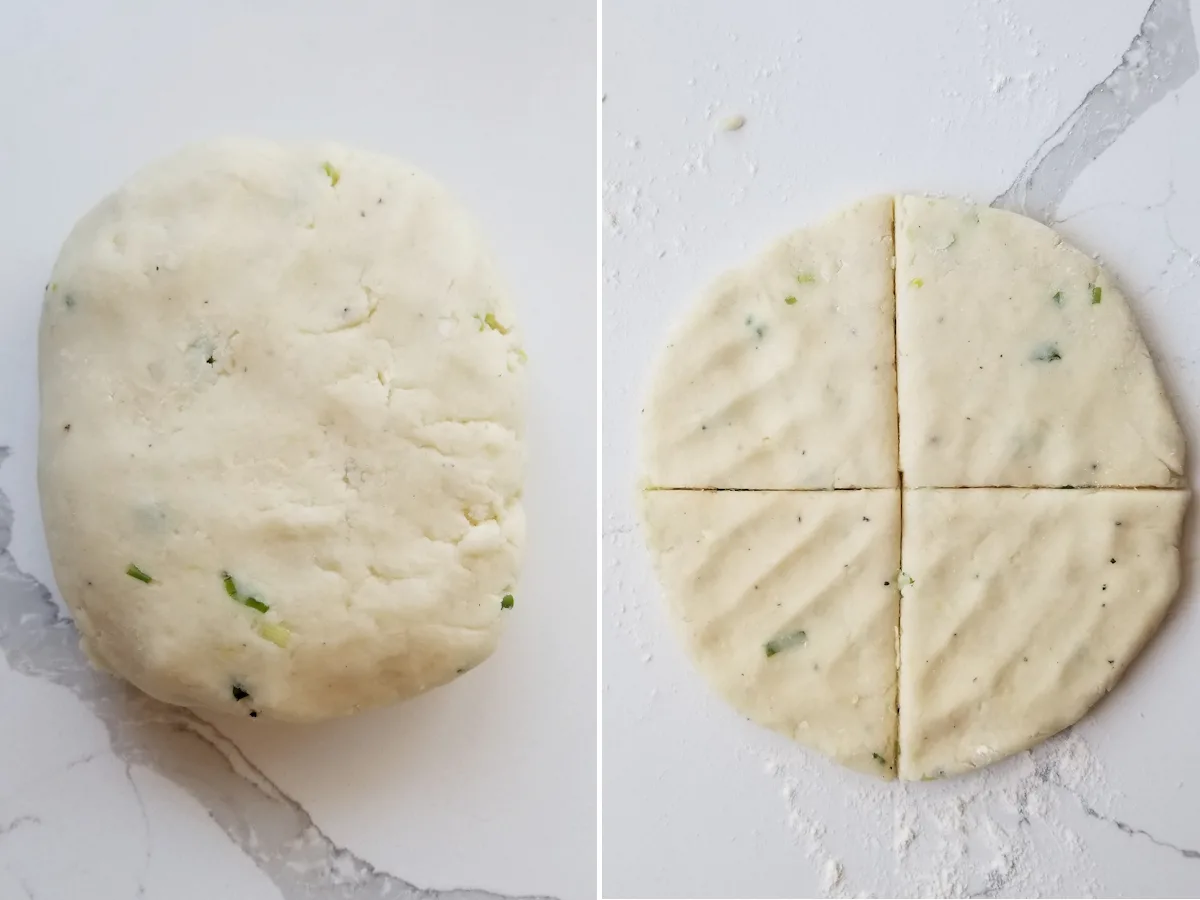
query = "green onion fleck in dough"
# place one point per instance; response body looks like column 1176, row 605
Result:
column 806, row 278
column 1046, row 353
column 276, row 634
column 490, row 321
column 239, row 692
column 134, row 572
column 1057, row 298
column 334, row 175
column 521, row 355
column 879, row 759
column 1095, row 294
column 255, row 603
column 790, row 301
column 507, row 602
column 786, row 642
column 231, row 589
column 918, row 282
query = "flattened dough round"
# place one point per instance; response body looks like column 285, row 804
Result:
column 281, row 436
column 784, row 435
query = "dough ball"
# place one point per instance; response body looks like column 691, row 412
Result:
column 281, row 438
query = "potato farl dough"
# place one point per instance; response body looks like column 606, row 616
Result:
column 1034, row 454
column 282, row 431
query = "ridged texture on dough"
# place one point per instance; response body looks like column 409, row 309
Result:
column 1024, row 609
column 782, row 374
column 1019, row 361
column 743, row 568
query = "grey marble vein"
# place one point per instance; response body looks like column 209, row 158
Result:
column 1131, row 830
column 268, row 826
column 19, row 822
column 1159, row 60
column 1051, row 777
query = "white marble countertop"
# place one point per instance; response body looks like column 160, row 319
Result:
column 1086, row 116
column 481, row 788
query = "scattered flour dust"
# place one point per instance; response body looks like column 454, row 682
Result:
column 999, row 832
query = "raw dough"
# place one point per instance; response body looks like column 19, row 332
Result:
column 782, row 375
column 787, row 603
column 1020, row 362
column 295, row 365
column 1023, row 610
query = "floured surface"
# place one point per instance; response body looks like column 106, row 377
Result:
column 282, row 418
column 1020, row 610
column 787, row 603
column 1012, row 830
column 782, row 374
column 679, row 194
column 1020, row 362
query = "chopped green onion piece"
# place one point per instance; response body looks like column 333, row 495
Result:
column 1095, row 294
column 790, row 301
column 507, row 602
column 334, row 175
column 232, row 591
column 786, row 642
column 918, row 282
column 134, row 572
column 879, row 759
column 904, row 579
column 276, row 634
column 1046, row 353
column 239, row 692
column 1057, row 298
column 521, row 355
column 490, row 321
column 806, row 278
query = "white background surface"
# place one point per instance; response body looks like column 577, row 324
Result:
column 489, row 782
column 844, row 100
